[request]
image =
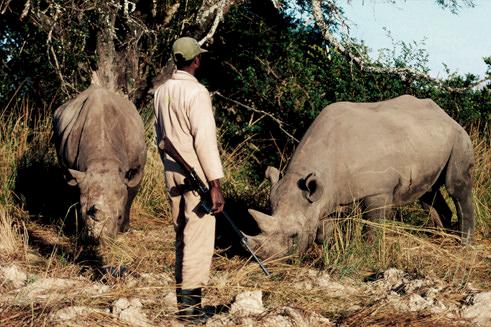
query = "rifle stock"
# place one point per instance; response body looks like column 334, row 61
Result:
column 196, row 182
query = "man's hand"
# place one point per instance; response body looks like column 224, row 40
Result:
column 217, row 199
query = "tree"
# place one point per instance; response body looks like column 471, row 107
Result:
column 126, row 43
column 271, row 76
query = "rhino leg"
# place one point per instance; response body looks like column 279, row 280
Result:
column 325, row 231
column 462, row 197
column 466, row 216
column 458, row 182
column 437, row 208
column 376, row 207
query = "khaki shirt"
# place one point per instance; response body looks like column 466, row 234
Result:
column 184, row 114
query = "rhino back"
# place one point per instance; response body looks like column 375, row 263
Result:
column 369, row 148
column 98, row 125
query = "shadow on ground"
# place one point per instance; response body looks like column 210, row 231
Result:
column 42, row 190
column 226, row 237
column 54, row 225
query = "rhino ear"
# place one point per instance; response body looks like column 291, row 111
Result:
column 75, row 177
column 273, row 174
column 313, row 187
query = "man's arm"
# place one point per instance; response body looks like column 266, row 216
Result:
column 203, row 129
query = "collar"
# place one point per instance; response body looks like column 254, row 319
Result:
column 183, row 75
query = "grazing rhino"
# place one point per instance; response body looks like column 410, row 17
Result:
column 100, row 143
column 380, row 154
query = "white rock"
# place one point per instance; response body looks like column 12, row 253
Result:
column 248, row 303
column 278, row 320
column 136, row 303
column 417, row 303
column 120, row 304
column 306, row 285
column 219, row 321
column 134, row 316
column 480, row 309
column 299, row 318
column 155, row 279
column 395, row 300
column 316, row 280
column 73, row 312
column 14, row 275
column 415, row 285
column 53, row 289
column 96, row 289
column 393, row 278
column 323, row 280
column 130, row 311
column 318, row 320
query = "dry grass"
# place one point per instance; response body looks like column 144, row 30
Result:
column 13, row 240
column 149, row 247
column 384, row 316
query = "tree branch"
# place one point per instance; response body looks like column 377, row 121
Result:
column 218, row 18
column 276, row 120
column 403, row 72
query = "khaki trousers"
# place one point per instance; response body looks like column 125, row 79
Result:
column 195, row 232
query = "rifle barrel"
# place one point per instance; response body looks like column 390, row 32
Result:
column 243, row 242
column 167, row 146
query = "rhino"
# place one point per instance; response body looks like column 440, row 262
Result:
column 100, row 143
column 379, row 155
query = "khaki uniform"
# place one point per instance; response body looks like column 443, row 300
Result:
column 184, row 114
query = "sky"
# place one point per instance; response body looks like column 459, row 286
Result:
column 458, row 40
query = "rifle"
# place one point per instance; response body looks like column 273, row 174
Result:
column 197, row 184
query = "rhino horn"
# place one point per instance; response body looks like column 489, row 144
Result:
column 264, row 222
column 273, row 174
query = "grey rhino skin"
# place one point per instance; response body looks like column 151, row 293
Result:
column 100, row 143
column 381, row 154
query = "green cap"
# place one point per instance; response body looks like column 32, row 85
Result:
column 187, row 47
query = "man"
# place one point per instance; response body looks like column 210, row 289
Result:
column 184, row 114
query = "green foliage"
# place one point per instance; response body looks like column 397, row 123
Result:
column 23, row 70
column 267, row 62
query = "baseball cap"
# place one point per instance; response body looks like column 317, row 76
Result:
column 187, row 47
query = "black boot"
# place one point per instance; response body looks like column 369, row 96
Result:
column 189, row 305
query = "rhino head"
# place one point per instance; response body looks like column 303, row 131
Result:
column 103, row 199
column 296, row 207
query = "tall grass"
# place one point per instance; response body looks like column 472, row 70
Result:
column 26, row 140
column 15, row 142
column 26, row 148
column 152, row 196
column 482, row 180
column 12, row 241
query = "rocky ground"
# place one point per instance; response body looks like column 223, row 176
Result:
column 395, row 295
column 45, row 283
